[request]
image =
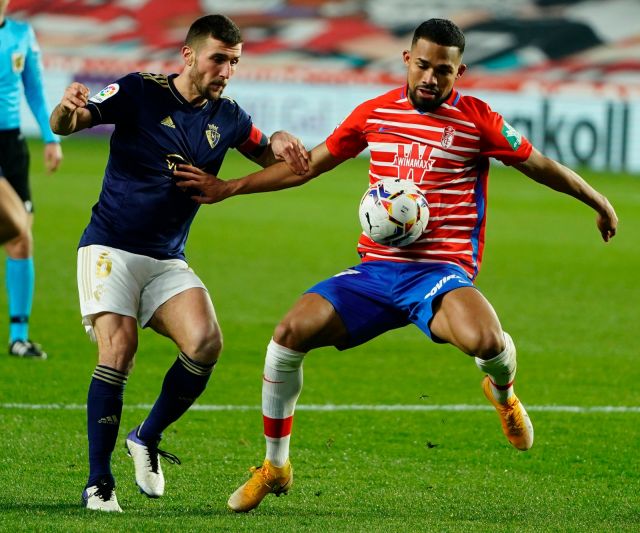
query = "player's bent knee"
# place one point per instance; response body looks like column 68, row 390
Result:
column 207, row 347
column 489, row 344
column 290, row 334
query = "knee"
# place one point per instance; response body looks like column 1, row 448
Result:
column 489, row 344
column 21, row 245
column 118, row 354
column 288, row 333
column 207, row 345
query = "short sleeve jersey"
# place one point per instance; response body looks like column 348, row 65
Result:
column 446, row 153
column 21, row 69
column 140, row 209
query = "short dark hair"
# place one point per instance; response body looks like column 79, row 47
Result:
column 217, row 26
column 440, row 31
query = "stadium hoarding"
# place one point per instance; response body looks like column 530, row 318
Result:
column 597, row 128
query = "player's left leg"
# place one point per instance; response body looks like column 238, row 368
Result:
column 20, row 271
column 189, row 319
column 465, row 318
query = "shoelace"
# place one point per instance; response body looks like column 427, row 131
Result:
column 154, row 452
column 104, row 490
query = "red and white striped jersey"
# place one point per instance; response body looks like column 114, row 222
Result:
column 446, row 153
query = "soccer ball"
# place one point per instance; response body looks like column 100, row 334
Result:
column 393, row 212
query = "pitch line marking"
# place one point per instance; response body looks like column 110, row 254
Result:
column 346, row 407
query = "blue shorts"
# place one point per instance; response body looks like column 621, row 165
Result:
column 377, row 296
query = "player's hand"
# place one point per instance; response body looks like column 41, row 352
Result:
column 290, row 149
column 52, row 156
column 75, row 96
column 607, row 221
column 212, row 189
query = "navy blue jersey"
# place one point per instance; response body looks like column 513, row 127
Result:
column 140, row 209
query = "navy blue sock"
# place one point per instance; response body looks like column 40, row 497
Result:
column 183, row 383
column 104, row 409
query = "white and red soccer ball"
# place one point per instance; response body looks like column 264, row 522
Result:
column 394, row 212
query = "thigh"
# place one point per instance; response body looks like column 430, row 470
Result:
column 311, row 323
column 170, row 278
column 361, row 298
column 466, row 319
column 189, row 319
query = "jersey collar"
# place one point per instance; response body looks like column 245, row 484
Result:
column 180, row 98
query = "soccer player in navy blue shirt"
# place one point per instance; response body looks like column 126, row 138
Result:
column 131, row 262
column 21, row 71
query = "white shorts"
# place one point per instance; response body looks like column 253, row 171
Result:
column 114, row 281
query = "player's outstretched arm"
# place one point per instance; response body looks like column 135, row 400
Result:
column 288, row 148
column 71, row 114
column 549, row 172
column 273, row 178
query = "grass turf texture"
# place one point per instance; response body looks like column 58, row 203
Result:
column 569, row 301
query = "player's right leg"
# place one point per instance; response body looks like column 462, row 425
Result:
column 116, row 336
column 313, row 322
column 109, row 296
column 343, row 311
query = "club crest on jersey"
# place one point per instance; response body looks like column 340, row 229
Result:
column 212, row 134
column 17, row 62
column 105, row 93
column 447, row 136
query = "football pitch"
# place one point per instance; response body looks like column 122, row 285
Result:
column 391, row 436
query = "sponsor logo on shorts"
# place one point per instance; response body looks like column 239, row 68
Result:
column 105, row 93
column 441, row 283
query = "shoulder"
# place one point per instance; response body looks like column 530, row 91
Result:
column 150, row 79
column 473, row 106
column 19, row 28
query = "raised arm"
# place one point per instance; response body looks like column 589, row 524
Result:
column 71, row 114
column 556, row 176
column 273, row 178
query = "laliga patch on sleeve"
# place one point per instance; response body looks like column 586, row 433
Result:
column 512, row 135
column 105, row 93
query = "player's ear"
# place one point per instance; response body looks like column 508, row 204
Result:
column 461, row 70
column 188, row 55
column 406, row 56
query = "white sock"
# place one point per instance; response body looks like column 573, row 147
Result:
column 281, row 387
column 501, row 370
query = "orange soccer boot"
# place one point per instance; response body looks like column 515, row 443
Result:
column 516, row 424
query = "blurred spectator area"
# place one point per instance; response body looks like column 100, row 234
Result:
column 566, row 73
column 509, row 43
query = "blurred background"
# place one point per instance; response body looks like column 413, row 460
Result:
column 566, row 73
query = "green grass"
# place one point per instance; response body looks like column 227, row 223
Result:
column 569, row 301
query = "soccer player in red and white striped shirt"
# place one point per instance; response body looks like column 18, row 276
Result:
column 429, row 133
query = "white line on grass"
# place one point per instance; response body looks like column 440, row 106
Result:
column 348, row 407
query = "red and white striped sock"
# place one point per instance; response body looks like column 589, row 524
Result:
column 281, row 387
column 501, row 370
